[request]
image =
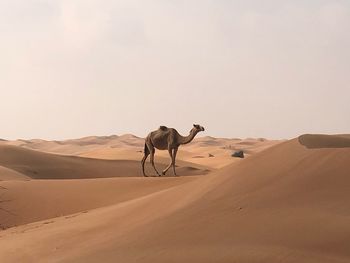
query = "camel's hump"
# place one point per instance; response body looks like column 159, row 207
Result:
column 163, row 128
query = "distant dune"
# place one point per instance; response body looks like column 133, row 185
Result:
column 314, row 141
column 287, row 203
column 130, row 147
column 40, row 165
column 77, row 146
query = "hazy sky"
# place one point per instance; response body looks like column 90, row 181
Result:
column 240, row 68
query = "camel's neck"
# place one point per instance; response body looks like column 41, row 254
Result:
column 189, row 138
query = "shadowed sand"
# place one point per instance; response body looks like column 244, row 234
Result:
column 286, row 204
column 315, row 141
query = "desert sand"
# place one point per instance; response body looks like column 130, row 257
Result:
column 287, row 201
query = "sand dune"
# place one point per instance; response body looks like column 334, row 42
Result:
column 39, row 165
column 286, row 204
column 130, row 147
column 79, row 146
column 37, row 200
column 314, row 141
column 219, row 149
column 8, row 174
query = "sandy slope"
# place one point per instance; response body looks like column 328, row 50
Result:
column 9, row 174
column 37, row 200
column 39, row 165
column 287, row 204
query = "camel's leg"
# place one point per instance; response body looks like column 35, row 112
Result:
column 146, row 153
column 152, row 151
column 171, row 162
column 174, row 159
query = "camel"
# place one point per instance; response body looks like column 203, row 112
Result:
column 166, row 139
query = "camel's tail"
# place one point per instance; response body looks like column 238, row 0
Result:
column 145, row 150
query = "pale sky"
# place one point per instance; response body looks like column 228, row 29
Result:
column 240, row 68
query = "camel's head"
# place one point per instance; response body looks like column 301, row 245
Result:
column 198, row 128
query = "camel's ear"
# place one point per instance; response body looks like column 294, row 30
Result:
column 194, row 125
